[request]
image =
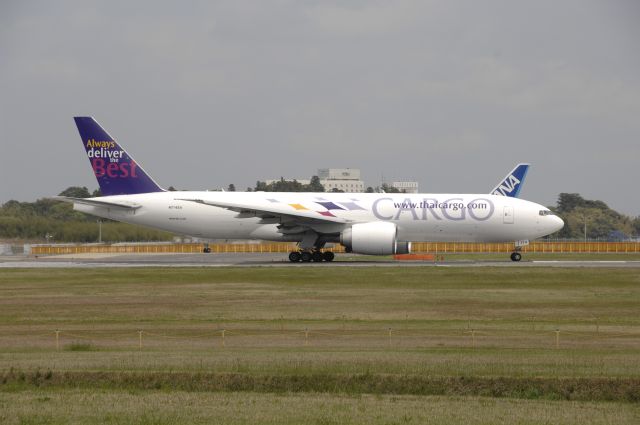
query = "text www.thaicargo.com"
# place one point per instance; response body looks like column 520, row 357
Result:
column 455, row 206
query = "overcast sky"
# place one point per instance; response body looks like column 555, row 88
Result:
column 450, row 94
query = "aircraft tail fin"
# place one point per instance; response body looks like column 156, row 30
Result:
column 512, row 184
column 116, row 171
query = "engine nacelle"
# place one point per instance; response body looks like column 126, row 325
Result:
column 375, row 238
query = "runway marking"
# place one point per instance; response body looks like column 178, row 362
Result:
column 583, row 261
column 270, row 260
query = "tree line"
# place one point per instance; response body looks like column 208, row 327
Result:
column 294, row 185
column 601, row 221
column 46, row 220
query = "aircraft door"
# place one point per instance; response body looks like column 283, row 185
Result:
column 507, row 216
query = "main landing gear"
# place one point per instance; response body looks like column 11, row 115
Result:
column 308, row 256
column 516, row 256
column 309, row 248
column 206, row 248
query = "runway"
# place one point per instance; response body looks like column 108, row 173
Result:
column 271, row 260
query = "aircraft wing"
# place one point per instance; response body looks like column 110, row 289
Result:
column 97, row 203
column 295, row 213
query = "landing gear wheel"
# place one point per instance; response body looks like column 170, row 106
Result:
column 328, row 256
column 206, row 250
column 294, row 256
column 516, row 256
column 305, row 256
column 316, row 256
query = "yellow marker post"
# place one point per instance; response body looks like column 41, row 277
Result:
column 223, row 331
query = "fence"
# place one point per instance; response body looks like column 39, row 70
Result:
column 283, row 247
column 533, row 247
column 483, row 336
column 165, row 248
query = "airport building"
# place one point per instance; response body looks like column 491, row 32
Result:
column 406, row 187
column 344, row 179
column 349, row 180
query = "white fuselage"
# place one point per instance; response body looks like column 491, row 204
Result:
column 418, row 217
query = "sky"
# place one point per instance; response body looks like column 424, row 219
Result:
column 208, row 93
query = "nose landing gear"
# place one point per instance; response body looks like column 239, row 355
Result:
column 518, row 245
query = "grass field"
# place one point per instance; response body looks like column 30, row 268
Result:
column 320, row 345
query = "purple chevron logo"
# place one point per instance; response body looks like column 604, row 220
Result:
column 330, row 205
column 352, row 206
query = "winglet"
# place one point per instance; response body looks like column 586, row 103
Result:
column 512, row 184
column 116, row 171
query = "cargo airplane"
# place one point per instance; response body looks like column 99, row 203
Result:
column 365, row 223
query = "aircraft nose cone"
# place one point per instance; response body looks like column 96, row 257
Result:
column 557, row 223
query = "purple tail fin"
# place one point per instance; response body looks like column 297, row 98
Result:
column 115, row 169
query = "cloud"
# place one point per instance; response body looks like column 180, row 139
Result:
column 241, row 91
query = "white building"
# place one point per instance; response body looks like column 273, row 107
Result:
column 406, row 187
column 339, row 174
column 344, row 179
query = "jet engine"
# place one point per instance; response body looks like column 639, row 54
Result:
column 375, row 238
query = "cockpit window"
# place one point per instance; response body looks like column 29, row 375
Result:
column 545, row 212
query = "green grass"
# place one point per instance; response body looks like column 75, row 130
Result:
column 575, row 389
column 180, row 407
column 348, row 370
column 79, row 346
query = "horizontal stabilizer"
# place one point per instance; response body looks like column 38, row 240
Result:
column 96, row 202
